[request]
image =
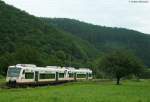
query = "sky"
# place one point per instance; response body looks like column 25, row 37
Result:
column 112, row 13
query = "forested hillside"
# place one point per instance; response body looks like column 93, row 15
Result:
column 26, row 39
column 105, row 39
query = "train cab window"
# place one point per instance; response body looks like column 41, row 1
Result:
column 47, row 76
column 13, row 72
column 81, row 75
column 61, row 75
column 29, row 75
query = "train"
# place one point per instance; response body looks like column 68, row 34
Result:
column 30, row 74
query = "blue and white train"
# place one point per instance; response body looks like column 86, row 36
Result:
column 28, row 74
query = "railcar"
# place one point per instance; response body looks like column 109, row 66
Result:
column 28, row 74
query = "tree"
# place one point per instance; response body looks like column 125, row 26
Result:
column 119, row 64
column 28, row 54
column 6, row 60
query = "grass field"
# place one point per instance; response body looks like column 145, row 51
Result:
column 129, row 91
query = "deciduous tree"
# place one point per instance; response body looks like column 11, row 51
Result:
column 119, row 64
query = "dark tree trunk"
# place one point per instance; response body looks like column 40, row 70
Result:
column 118, row 81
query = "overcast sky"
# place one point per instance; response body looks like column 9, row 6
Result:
column 114, row 13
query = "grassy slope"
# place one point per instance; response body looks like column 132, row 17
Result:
column 81, row 92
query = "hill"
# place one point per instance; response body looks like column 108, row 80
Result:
column 105, row 39
column 26, row 39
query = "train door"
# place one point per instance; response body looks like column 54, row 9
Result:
column 57, row 76
column 87, row 75
column 36, row 76
column 75, row 76
column 65, row 74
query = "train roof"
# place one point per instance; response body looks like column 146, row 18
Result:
column 50, row 68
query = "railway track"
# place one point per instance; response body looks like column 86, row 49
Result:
column 4, row 85
column 7, row 86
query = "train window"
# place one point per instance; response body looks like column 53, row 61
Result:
column 90, row 75
column 61, row 75
column 81, row 75
column 47, row 76
column 71, row 75
column 29, row 75
column 51, row 76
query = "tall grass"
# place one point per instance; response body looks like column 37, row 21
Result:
column 129, row 91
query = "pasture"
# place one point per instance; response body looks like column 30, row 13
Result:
column 107, row 91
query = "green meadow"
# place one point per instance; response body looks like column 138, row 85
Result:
column 129, row 91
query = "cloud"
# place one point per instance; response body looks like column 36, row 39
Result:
column 115, row 13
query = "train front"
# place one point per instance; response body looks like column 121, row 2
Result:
column 13, row 75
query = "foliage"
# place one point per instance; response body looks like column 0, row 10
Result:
column 106, row 39
column 119, row 64
column 26, row 39
column 145, row 74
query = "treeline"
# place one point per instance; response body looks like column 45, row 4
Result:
column 62, row 42
column 26, row 39
column 106, row 39
column 31, row 55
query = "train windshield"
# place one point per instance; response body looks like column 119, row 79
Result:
column 13, row 72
